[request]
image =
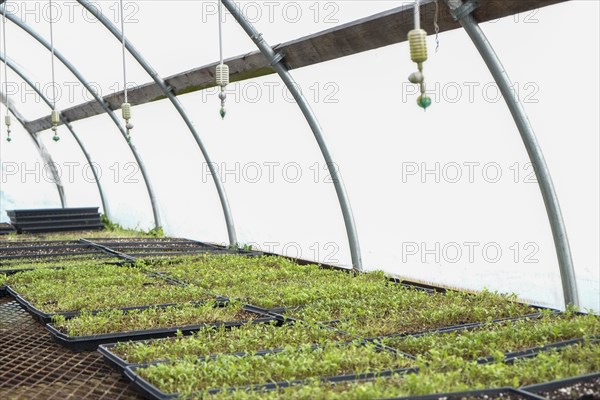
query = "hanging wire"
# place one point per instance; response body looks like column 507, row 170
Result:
column 220, row 32
column 222, row 71
column 5, row 54
column 125, row 107
column 52, row 55
column 7, row 119
column 436, row 27
column 123, row 52
column 55, row 115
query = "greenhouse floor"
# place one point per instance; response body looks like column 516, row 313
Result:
column 33, row 366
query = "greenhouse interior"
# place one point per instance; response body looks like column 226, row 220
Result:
column 355, row 199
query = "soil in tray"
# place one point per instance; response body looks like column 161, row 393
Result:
column 98, row 287
column 498, row 338
column 248, row 338
column 290, row 364
column 589, row 390
column 116, row 321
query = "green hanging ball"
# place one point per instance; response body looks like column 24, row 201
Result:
column 424, row 101
column 8, row 139
column 222, row 112
column 56, row 138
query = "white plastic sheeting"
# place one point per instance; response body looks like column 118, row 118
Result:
column 445, row 196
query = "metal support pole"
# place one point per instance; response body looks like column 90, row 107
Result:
column 95, row 11
column 105, row 106
column 276, row 62
column 44, row 154
column 46, row 100
column 462, row 13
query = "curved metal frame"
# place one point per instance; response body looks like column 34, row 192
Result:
column 179, row 107
column 276, row 60
column 104, row 105
column 44, row 154
column 46, row 100
column 462, row 13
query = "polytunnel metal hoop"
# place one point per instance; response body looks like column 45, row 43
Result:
column 276, row 61
column 43, row 152
column 46, row 100
column 168, row 91
column 105, row 106
column 463, row 13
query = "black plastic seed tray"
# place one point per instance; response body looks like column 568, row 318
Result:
column 457, row 328
column 37, row 212
column 37, row 243
column 101, row 257
column 145, row 247
column 72, row 220
column 90, row 343
column 6, row 229
column 107, row 250
column 152, row 243
column 120, row 364
column 534, row 351
column 564, row 383
column 507, row 393
column 53, row 255
column 55, row 219
column 37, row 314
column 150, row 391
column 16, row 271
column 41, row 246
column 45, row 318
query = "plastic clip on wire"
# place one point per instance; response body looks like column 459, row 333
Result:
column 126, row 113
column 417, row 39
column 55, row 118
column 222, row 78
column 7, row 122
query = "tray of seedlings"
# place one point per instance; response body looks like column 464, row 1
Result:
column 245, row 339
column 162, row 247
column 506, row 340
column 66, row 292
column 364, row 312
column 19, row 264
column 87, row 331
column 267, row 370
column 44, row 249
column 22, row 265
column 453, row 378
column 3, row 278
column 270, row 282
column 308, row 292
column 584, row 387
